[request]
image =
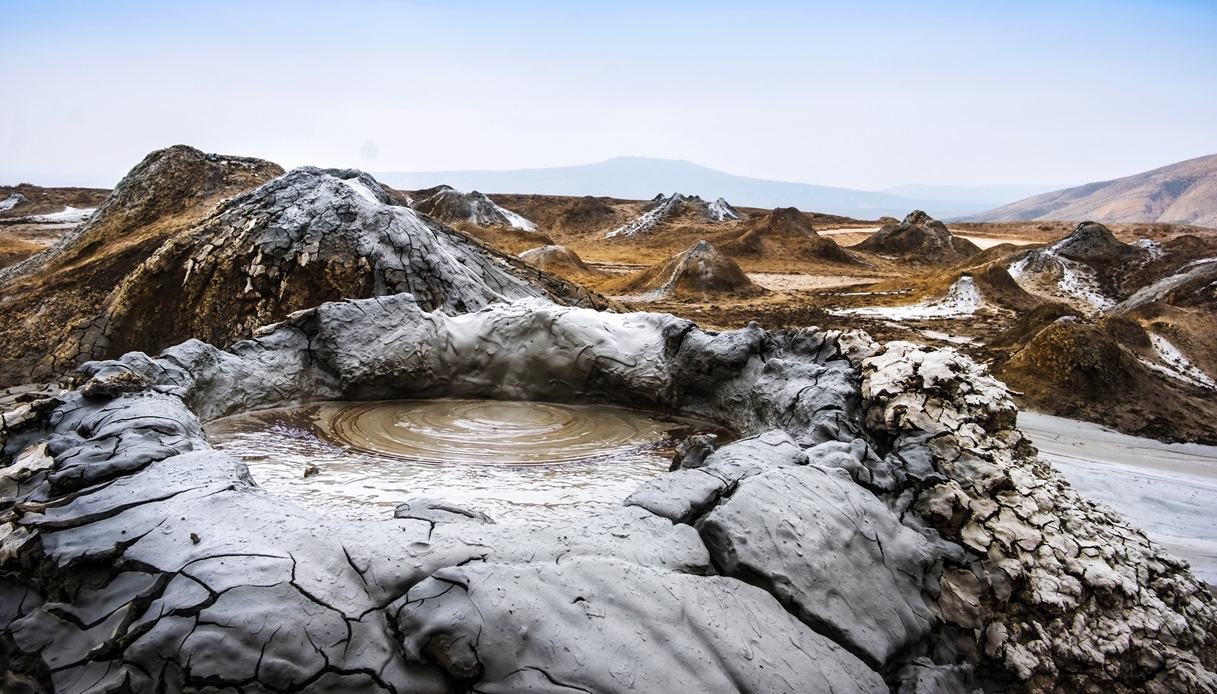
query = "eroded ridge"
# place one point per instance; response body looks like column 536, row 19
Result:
column 881, row 525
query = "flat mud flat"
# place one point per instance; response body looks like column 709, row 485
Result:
column 515, row 461
column 851, row 235
column 793, row 282
column 984, row 242
column 1168, row 489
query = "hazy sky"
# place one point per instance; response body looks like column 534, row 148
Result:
column 830, row 93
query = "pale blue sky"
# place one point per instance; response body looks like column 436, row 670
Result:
column 829, row 93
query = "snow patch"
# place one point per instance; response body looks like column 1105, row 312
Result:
column 1080, row 282
column 961, row 300
column 69, row 214
column 947, row 337
column 516, row 221
column 11, row 201
column 1149, row 246
column 1176, row 365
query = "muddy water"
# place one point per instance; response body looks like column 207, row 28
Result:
column 517, row 461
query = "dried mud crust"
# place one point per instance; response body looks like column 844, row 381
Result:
column 882, row 524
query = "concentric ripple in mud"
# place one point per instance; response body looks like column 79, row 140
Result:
column 517, row 461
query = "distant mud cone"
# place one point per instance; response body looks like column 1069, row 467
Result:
column 450, row 206
column 663, row 209
column 585, row 214
column 699, row 272
column 919, row 238
column 1092, row 242
column 785, row 233
column 561, row 261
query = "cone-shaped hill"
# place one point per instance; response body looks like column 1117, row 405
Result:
column 701, row 272
column 585, row 214
column 919, row 238
column 666, row 209
column 784, row 233
column 563, row 262
column 450, row 206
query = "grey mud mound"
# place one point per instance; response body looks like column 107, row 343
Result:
column 1092, row 242
column 816, row 537
column 881, row 525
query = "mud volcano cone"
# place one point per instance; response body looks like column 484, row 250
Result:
column 919, row 238
column 561, row 261
column 785, row 233
column 699, row 272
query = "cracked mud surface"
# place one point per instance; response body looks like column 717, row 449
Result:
column 881, row 525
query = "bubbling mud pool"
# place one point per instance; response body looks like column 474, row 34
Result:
column 515, row 461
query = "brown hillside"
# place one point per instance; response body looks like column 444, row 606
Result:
column 49, row 295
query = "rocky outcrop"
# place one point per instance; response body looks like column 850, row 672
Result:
column 1092, row 242
column 661, row 208
column 451, row 206
column 881, row 524
column 699, row 272
column 919, row 238
column 28, row 200
column 1112, row 371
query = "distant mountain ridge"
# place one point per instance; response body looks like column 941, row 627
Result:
column 640, row 178
column 1180, row 193
column 981, row 195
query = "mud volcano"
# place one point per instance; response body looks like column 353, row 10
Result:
column 881, row 526
column 514, row 461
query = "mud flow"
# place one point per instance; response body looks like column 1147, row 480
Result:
column 516, row 461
